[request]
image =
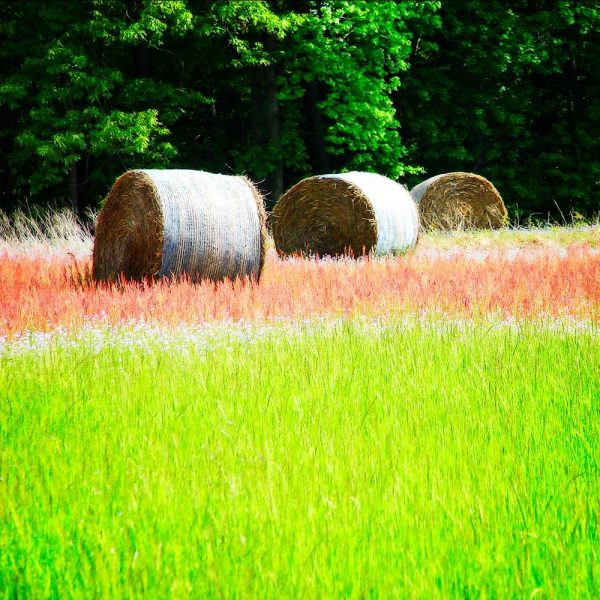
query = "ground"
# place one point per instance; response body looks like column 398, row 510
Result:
column 425, row 425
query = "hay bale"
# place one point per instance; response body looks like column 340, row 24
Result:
column 459, row 201
column 347, row 214
column 165, row 223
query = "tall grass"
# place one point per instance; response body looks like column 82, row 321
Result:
column 423, row 460
column 45, row 232
column 45, row 280
column 41, row 294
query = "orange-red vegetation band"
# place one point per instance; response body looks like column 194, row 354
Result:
column 41, row 294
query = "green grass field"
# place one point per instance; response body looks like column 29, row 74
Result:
column 349, row 460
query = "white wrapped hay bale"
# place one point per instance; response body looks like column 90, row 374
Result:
column 169, row 223
column 352, row 213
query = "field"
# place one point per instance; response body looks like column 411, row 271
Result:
column 422, row 426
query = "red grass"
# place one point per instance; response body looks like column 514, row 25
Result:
column 40, row 294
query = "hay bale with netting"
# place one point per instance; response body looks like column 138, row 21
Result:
column 172, row 223
column 459, row 201
column 346, row 214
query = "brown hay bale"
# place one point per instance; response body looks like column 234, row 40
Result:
column 164, row 223
column 347, row 214
column 459, row 201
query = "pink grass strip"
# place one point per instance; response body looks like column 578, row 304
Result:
column 38, row 294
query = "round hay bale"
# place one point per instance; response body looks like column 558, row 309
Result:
column 459, row 201
column 347, row 214
column 168, row 223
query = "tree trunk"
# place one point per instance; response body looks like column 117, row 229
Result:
column 74, row 188
column 316, row 129
column 574, row 95
column 266, row 124
column 273, row 130
column 141, row 65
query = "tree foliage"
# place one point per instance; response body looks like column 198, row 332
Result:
column 510, row 90
column 80, row 93
column 281, row 89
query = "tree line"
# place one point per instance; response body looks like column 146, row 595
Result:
column 282, row 89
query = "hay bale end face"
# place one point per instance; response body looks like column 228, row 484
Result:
column 169, row 223
column 347, row 214
column 459, row 201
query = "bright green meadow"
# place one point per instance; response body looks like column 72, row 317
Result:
column 397, row 459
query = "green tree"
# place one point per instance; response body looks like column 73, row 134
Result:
column 281, row 89
column 509, row 90
column 352, row 57
column 314, row 84
column 277, row 89
column 245, row 40
column 79, row 93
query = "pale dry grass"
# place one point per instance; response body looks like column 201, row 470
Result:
column 58, row 233
column 50, row 233
column 510, row 241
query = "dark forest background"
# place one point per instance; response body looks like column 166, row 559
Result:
column 282, row 89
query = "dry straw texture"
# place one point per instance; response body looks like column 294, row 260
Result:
column 459, row 201
column 351, row 213
column 168, row 223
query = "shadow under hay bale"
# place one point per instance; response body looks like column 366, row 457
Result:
column 170, row 223
column 347, row 214
column 459, row 201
